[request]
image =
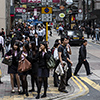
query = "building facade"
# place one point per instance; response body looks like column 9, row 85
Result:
column 3, row 14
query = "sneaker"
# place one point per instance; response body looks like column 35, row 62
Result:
column 12, row 91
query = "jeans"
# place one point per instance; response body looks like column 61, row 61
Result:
column 97, row 37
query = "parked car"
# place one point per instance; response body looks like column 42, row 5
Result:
column 75, row 37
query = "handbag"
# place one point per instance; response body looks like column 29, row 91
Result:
column 24, row 65
column 7, row 61
column 51, row 62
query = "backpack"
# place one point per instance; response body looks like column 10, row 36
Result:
column 51, row 62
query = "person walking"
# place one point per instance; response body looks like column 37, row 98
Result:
column 43, row 71
column 37, row 41
column 7, row 43
column 97, row 33
column 23, row 75
column 13, row 69
column 62, row 51
column 2, row 44
column 60, row 29
column 88, row 31
column 56, row 57
column 92, row 33
column 82, row 59
column 69, row 72
column 34, row 71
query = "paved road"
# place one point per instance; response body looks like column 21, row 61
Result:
column 81, row 88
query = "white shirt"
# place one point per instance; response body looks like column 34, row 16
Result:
column 2, row 40
column 61, row 28
column 40, row 33
column 36, row 39
column 44, row 31
column 56, row 56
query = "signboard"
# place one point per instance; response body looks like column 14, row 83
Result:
column 46, row 2
column 23, row 1
column 46, row 17
column 35, row 12
column 20, row 10
column 61, row 15
column 46, row 10
column 18, row 15
column 34, row 1
column 56, row 1
column 62, row 7
column 79, row 16
column 30, row 1
column 80, row 11
column 69, row 2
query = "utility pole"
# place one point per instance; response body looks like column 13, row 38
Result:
column 84, row 11
column 87, row 8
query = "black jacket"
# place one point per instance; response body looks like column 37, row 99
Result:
column 33, row 39
column 42, row 59
column 82, row 52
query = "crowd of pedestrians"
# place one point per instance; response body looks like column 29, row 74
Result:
column 26, row 42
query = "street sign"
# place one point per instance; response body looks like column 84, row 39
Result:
column 35, row 12
column 80, row 11
column 20, row 10
column 46, row 17
column 79, row 16
column 34, row 1
column 62, row 7
column 61, row 15
column 46, row 2
column 30, row 1
column 56, row 1
column 23, row 1
column 46, row 10
column 69, row 2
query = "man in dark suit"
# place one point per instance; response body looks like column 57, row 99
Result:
column 36, row 40
column 82, row 59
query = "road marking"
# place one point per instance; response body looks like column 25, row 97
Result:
column 80, row 89
column 94, row 43
column 91, row 83
column 85, row 87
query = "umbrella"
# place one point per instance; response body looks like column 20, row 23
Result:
column 33, row 23
column 38, row 22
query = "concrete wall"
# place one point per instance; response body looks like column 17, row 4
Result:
column 3, row 14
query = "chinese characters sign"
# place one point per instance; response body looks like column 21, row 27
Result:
column 30, row 1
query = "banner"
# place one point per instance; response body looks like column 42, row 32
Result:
column 56, row 1
column 30, row 1
column 34, row 1
column 23, row 1
column 20, row 10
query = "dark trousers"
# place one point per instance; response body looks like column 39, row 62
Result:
column 2, row 49
column 86, row 64
column 88, row 35
column 69, row 73
column 62, row 85
column 56, row 79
